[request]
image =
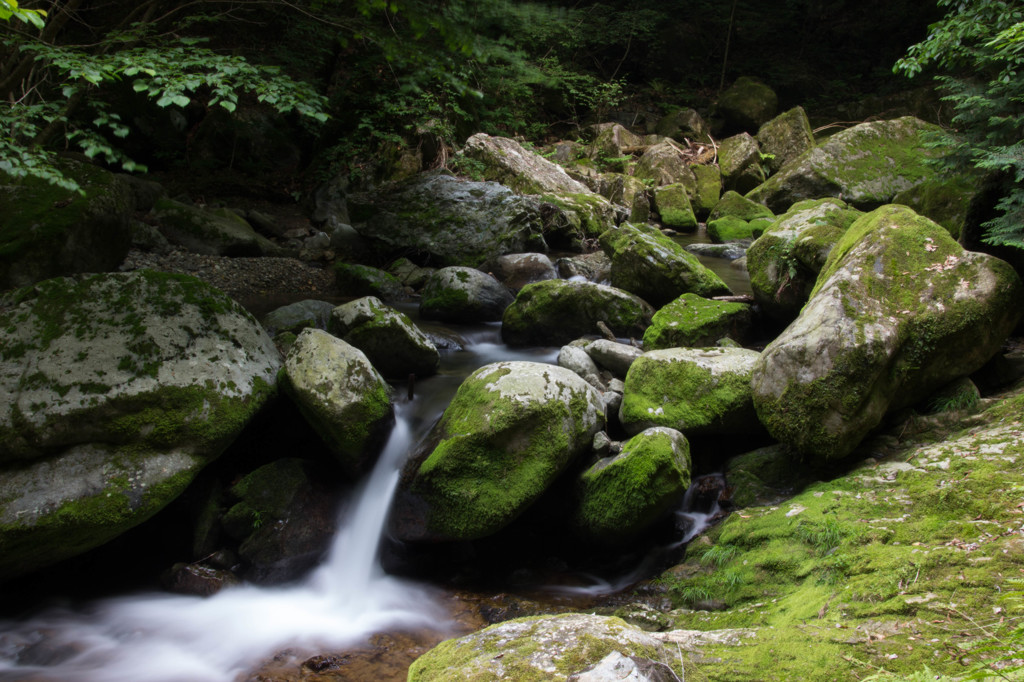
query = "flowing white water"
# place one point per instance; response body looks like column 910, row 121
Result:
column 159, row 638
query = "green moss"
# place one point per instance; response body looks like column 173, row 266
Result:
column 895, row 565
column 496, row 455
column 730, row 229
column 623, row 496
column 694, row 321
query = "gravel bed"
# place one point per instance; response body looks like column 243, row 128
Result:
column 244, row 279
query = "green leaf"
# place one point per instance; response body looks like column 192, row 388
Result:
column 180, row 100
column 230, row 106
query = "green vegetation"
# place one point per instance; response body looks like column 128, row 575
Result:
column 975, row 53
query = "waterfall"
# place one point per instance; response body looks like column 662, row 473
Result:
column 164, row 638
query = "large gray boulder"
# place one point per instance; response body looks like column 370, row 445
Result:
column 448, row 221
column 694, row 390
column 506, row 161
column 899, row 310
column 557, row 311
column 49, row 231
column 866, row 166
column 115, row 390
column 655, row 268
column 341, row 395
column 392, row 343
column 458, row 294
column 510, row 431
column 213, row 232
column 545, row 648
column 785, row 261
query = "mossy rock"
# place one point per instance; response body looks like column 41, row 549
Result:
column 899, row 310
column 746, row 105
column 341, row 395
column 673, row 206
column 736, row 205
column 622, row 496
column 458, row 294
column 362, row 280
column 444, row 220
column 765, row 476
column 392, row 343
column 556, row 311
column 48, row 231
column 866, row 166
column 785, row 138
column 706, row 189
column 946, row 200
column 739, row 159
column 784, row 262
column 215, row 232
column 295, row 317
column 694, row 321
column 694, row 390
column 733, row 229
column 655, row 268
column 543, row 648
column 506, row 161
column 510, row 431
column 119, row 389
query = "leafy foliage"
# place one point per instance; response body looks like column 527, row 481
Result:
column 977, row 51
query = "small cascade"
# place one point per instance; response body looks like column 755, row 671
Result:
column 163, row 638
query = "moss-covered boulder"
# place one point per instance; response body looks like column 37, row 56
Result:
column 784, row 138
column 362, row 280
column 735, row 204
column 694, row 390
column 409, row 274
column 683, row 125
column 899, row 310
column 655, row 268
column 341, row 395
column 506, row 161
column 569, row 219
column 944, row 199
column 746, row 105
column 739, row 158
column 622, row 496
column 447, row 221
column 215, row 232
column 692, row 321
column 557, row 311
column 866, row 166
column 729, row 229
column 458, row 294
column 115, row 390
column 544, row 648
column 785, row 261
column 612, row 145
column 392, row 343
column 662, row 164
column 673, row 206
column 510, row 431
column 295, row 317
column 283, row 516
column 48, row 231
column 705, row 188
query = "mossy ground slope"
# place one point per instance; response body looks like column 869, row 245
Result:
column 899, row 565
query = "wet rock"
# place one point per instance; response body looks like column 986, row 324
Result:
column 510, row 431
column 556, row 312
column 516, row 270
column 391, row 342
column 458, row 294
column 198, row 580
column 295, row 317
column 340, row 394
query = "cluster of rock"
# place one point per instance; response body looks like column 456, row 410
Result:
column 118, row 388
